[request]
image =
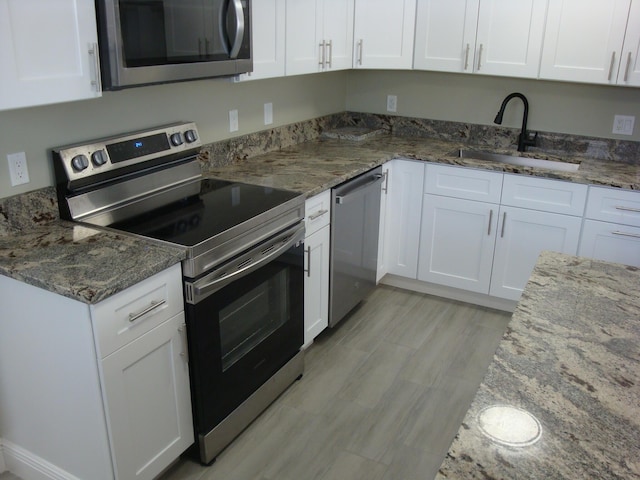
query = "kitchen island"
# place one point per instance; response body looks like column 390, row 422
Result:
column 571, row 359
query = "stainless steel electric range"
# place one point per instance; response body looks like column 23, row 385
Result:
column 243, row 275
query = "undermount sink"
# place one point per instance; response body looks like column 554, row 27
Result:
column 519, row 161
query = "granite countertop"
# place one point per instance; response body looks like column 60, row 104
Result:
column 313, row 167
column 570, row 358
column 41, row 250
column 79, row 262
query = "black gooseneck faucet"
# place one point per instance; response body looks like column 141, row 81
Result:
column 525, row 139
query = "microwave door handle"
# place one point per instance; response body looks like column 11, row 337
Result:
column 239, row 36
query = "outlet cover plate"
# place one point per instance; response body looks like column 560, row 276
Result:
column 18, row 170
column 392, row 103
column 233, row 121
column 268, row 113
column 623, row 124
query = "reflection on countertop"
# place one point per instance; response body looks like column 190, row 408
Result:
column 571, row 359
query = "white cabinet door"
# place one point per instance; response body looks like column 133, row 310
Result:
column 383, row 269
column 316, row 284
column 583, row 40
column 446, row 35
column 610, row 242
column 383, row 34
column 456, row 242
column 319, row 35
column 48, row 52
column 483, row 36
column 629, row 72
column 337, row 34
column 268, row 43
column 148, row 401
column 405, row 183
column 522, row 235
column 509, row 38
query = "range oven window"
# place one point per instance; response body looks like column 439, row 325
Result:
column 253, row 317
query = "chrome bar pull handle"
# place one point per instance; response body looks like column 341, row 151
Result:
column 359, row 61
column 385, row 185
column 97, row 80
column 308, row 269
column 318, row 214
column 626, row 70
column 613, row 61
column 480, row 56
column 135, row 316
column 627, row 209
column 322, row 54
column 490, row 220
column 466, row 58
column 626, row 234
column 182, row 329
column 330, row 45
column 504, row 222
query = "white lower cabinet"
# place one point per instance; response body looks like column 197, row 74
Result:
column 316, row 265
column 457, row 241
column 402, row 220
column 146, row 386
column 610, row 242
column 522, row 235
column 491, row 247
column 611, row 230
column 108, row 384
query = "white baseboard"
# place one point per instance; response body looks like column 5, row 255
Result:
column 449, row 292
column 28, row 466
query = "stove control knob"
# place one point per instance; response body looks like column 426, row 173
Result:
column 79, row 162
column 176, row 139
column 190, row 136
column 99, row 158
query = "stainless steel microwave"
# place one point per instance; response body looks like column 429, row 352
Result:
column 144, row 42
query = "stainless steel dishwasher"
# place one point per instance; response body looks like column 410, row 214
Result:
column 355, row 220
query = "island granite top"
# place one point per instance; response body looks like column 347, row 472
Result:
column 571, row 358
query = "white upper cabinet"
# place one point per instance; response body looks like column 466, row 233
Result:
column 584, row 41
column 48, row 52
column 268, row 43
column 319, row 35
column 383, row 34
column 489, row 37
column 629, row 71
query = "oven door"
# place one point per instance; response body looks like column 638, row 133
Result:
column 244, row 322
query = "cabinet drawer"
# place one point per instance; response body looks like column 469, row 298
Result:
column 614, row 205
column 610, row 242
column 553, row 196
column 317, row 212
column 465, row 183
column 129, row 314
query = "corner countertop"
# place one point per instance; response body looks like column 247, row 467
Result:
column 571, row 358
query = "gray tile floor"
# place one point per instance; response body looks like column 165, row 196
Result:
column 382, row 396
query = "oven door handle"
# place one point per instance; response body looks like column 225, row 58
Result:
column 247, row 263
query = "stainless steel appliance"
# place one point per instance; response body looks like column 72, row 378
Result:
column 157, row 41
column 355, row 221
column 243, row 275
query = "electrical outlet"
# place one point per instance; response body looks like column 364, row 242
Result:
column 392, row 103
column 18, row 170
column 268, row 113
column 623, row 124
column 233, row 120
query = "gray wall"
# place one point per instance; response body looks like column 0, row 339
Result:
column 554, row 107
column 207, row 102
